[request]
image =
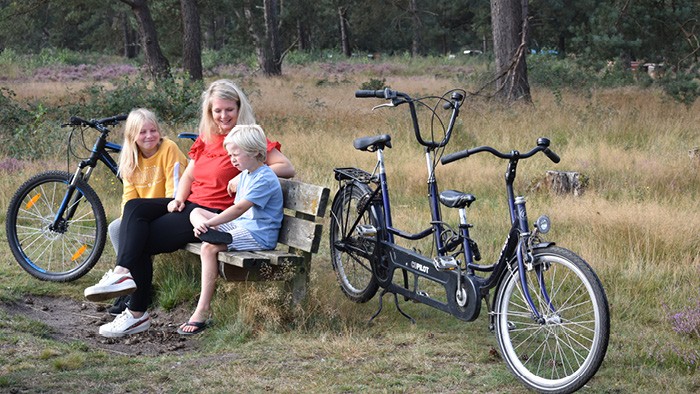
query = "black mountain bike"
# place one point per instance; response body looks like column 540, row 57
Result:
column 56, row 224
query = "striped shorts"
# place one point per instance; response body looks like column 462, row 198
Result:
column 242, row 239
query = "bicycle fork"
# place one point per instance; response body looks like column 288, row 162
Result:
column 526, row 259
column 71, row 198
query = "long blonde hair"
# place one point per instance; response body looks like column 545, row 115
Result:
column 227, row 90
column 129, row 156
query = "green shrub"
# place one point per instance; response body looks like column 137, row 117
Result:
column 682, row 87
column 175, row 100
column 374, row 84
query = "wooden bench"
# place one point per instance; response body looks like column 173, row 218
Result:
column 299, row 238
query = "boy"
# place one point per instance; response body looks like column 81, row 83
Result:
column 251, row 223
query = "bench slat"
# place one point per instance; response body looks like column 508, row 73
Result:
column 252, row 259
column 304, row 197
column 300, row 233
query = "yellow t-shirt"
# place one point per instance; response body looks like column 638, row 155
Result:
column 158, row 175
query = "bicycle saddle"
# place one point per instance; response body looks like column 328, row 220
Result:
column 456, row 199
column 372, row 143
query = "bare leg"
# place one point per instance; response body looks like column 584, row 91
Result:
column 210, row 271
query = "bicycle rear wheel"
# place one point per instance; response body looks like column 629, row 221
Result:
column 60, row 253
column 561, row 351
column 351, row 254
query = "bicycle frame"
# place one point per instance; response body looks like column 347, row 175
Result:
column 100, row 153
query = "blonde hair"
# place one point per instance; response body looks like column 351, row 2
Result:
column 129, row 156
column 250, row 138
column 227, row 90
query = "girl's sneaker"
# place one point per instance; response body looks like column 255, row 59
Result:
column 110, row 286
column 125, row 324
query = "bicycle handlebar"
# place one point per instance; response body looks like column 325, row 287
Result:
column 542, row 146
column 398, row 98
column 96, row 123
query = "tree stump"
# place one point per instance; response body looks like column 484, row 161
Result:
column 565, row 182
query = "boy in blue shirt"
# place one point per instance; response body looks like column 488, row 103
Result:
column 251, row 223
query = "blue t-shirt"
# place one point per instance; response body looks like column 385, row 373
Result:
column 264, row 218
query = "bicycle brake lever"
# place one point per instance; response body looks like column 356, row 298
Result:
column 383, row 105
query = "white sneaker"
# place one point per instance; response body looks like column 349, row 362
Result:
column 111, row 285
column 125, row 324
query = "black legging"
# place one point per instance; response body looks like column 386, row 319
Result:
column 148, row 229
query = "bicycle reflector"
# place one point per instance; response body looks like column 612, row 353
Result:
column 543, row 224
column 32, row 201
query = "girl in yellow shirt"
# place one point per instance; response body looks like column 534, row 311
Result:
column 150, row 166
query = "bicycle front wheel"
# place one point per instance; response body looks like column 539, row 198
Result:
column 560, row 351
column 50, row 248
column 351, row 252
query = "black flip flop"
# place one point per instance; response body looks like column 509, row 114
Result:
column 216, row 237
column 200, row 326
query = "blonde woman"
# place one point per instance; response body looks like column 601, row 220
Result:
column 150, row 166
column 162, row 225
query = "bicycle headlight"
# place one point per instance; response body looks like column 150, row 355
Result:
column 543, row 224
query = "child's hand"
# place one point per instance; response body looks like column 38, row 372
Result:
column 199, row 226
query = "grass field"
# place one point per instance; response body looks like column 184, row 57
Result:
column 637, row 224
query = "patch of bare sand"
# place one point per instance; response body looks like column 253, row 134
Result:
column 72, row 320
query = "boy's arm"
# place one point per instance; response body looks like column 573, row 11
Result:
column 227, row 215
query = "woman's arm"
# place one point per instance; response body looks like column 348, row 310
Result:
column 183, row 189
column 280, row 164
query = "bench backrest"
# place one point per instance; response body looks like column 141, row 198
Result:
column 303, row 203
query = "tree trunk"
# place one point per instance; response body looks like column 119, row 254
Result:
column 157, row 63
column 267, row 45
column 192, row 39
column 273, row 59
column 304, row 41
column 130, row 45
column 417, row 29
column 510, row 26
column 344, row 35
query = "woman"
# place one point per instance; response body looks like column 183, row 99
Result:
column 150, row 167
column 161, row 225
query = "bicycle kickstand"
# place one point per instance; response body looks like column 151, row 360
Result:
column 398, row 307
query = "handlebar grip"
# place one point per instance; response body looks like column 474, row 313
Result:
column 454, row 156
column 369, row 93
column 552, row 156
column 112, row 119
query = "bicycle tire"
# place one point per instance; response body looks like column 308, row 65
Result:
column 562, row 352
column 55, row 255
column 353, row 269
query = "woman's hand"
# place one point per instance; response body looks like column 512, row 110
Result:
column 176, row 205
column 233, row 185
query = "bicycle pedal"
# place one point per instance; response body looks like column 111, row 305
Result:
column 366, row 231
column 445, row 263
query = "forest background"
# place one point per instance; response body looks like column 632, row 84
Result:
column 631, row 131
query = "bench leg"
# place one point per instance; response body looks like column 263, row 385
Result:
column 298, row 285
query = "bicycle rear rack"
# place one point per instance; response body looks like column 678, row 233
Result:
column 356, row 174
